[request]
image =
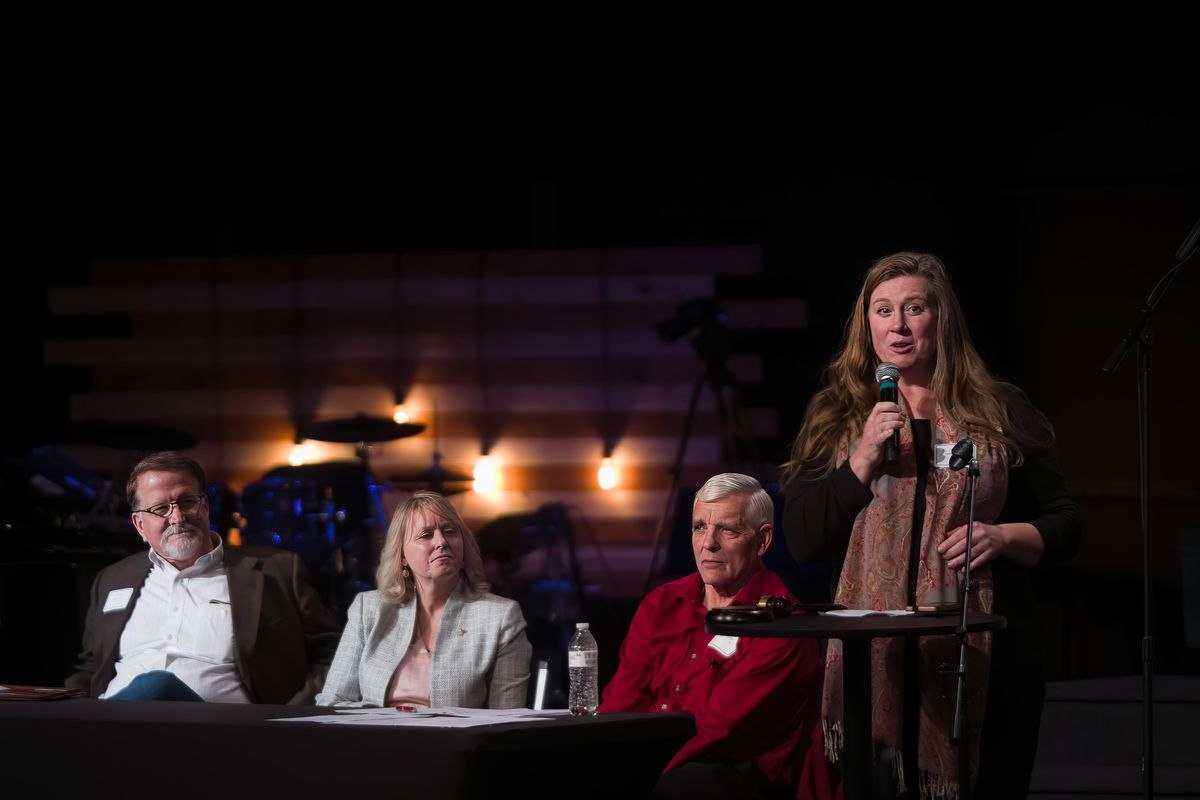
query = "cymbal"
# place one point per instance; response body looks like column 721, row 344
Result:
column 359, row 428
column 122, row 436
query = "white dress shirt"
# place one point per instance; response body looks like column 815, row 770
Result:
column 182, row 623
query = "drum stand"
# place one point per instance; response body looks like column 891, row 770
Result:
column 362, row 431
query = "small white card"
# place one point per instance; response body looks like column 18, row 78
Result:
column 725, row 645
column 941, row 455
column 117, row 599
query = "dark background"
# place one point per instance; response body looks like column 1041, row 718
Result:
column 1061, row 170
column 1056, row 180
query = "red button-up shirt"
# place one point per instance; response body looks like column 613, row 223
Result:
column 759, row 703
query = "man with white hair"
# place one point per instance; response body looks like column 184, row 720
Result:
column 756, row 701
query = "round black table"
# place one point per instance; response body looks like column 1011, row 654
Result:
column 856, row 634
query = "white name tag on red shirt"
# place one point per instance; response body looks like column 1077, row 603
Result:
column 725, row 645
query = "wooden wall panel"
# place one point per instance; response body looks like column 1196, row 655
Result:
column 548, row 353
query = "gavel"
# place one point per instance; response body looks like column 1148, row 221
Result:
column 769, row 607
column 777, row 605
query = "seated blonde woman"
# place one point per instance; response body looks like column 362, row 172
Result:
column 431, row 635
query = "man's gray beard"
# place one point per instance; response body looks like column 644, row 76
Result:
column 182, row 542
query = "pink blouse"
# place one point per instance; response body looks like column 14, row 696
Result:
column 410, row 682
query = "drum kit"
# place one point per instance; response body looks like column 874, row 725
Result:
column 336, row 514
column 49, row 491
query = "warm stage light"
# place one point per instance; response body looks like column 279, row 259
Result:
column 487, row 475
column 301, row 453
column 607, row 476
column 400, row 414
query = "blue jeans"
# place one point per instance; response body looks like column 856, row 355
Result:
column 157, row 685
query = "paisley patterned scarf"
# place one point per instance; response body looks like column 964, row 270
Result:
column 875, row 576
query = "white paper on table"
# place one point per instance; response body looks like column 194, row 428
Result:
column 868, row 612
column 503, row 713
column 429, row 717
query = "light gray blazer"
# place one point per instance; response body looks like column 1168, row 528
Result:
column 481, row 658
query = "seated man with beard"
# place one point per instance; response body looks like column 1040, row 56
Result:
column 192, row 620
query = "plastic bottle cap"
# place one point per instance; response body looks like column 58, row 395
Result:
column 581, row 626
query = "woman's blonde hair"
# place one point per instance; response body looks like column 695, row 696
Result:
column 969, row 397
column 389, row 578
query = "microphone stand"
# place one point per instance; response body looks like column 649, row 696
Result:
column 1143, row 336
column 959, row 735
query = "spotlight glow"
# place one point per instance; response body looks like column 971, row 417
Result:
column 400, row 414
column 607, row 476
column 301, row 453
column 487, row 476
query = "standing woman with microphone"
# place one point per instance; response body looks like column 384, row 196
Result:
column 862, row 490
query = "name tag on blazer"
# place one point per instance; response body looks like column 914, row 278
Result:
column 117, row 600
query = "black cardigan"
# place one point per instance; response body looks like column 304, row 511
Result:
column 819, row 516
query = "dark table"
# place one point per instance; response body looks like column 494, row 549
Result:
column 856, row 634
column 211, row 750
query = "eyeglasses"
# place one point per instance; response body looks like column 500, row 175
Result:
column 187, row 503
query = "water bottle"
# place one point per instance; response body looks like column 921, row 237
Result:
column 582, row 659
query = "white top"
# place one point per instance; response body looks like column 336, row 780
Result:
column 182, row 623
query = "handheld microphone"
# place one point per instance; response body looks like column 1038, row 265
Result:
column 887, row 374
column 962, row 454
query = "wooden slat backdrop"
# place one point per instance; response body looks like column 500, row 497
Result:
column 549, row 351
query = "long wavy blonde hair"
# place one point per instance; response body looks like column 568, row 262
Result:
column 389, row 578
column 968, row 395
